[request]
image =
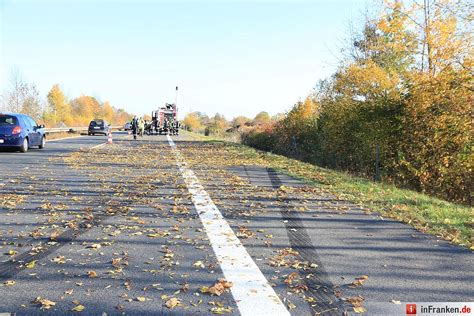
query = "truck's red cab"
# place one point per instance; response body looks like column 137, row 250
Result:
column 164, row 120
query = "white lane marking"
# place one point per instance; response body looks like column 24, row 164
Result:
column 251, row 291
column 97, row 146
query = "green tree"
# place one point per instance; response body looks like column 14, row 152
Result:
column 240, row 121
column 262, row 118
column 217, row 126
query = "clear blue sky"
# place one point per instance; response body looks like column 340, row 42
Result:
column 231, row 57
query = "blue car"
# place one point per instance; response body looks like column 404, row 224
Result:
column 20, row 131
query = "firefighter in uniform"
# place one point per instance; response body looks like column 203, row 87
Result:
column 134, row 124
column 176, row 128
column 141, row 126
column 166, row 125
column 171, row 125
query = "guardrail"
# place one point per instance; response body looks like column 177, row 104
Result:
column 73, row 129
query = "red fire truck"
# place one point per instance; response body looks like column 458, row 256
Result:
column 165, row 120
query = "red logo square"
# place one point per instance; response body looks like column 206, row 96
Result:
column 411, row 309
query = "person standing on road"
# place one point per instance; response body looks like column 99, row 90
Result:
column 170, row 126
column 141, row 127
column 134, row 124
column 176, row 128
column 166, row 126
column 147, row 127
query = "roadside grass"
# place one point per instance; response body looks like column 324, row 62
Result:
column 446, row 220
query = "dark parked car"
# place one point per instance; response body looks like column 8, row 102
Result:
column 20, row 131
column 127, row 126
column 98, row 126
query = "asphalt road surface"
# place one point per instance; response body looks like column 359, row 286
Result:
column 174, row 225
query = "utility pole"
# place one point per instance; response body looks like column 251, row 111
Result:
column 176, row 97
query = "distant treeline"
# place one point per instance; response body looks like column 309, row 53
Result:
column 218, row 125
column 57, row 110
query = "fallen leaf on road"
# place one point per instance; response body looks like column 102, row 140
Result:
column 199, row 264
column 199, row 302
column 116, row 262
column 120, row 307
column 54, row 235
column 31, row 265
column 92, row 274
column 59, row 259
column 218, row 288
column 221, row 310
column 286, row 257
column 244, row 232
column 356, row 301
column 173, row 302
column 359, row 310
column 78, row 308
column 141, row 299
column 291, row 305
column 185, row 287
column 45, row 303
column 9, row 283
column 359, row 281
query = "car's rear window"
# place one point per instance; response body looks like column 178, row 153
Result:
column 7, row 120
column 97, row 123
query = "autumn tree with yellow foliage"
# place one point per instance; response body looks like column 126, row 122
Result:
column 59, row 109
column 192, row 122
column 79, row 111
column 405, row 88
